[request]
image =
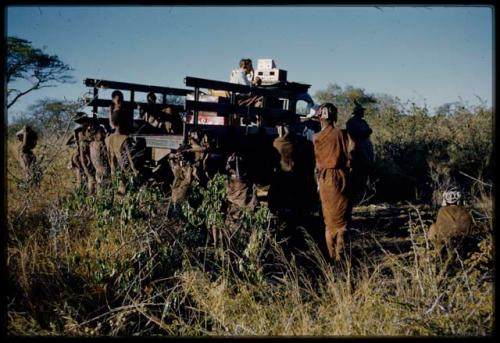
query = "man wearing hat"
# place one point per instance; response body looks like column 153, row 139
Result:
column 332, row 149
column 363, row 155
column 453, row 223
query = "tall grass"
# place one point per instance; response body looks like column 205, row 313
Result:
column 129, row 265
column 83, row 265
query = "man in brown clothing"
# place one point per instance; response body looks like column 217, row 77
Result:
column 363, row 156
column 453, row 223
column 75, row 163
column 332, row 149
column 197, row 152
column 120, row 114
column 183, row 175
column 99, row 157
column 240, row 192
column 283, row 197
column 119, row 147
column 87, row 136
column 27, row 159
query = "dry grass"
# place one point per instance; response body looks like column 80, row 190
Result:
column 121, row 266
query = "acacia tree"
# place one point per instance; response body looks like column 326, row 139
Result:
column 40, row 70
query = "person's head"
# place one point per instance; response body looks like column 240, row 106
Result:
column 88, row 131
column 358, row 110
column 205, row 140
column 81, row 117
column 117, row 97
column 168, row 110
column 120, row 122
column 195, row 135
column 452, row 197
column 151, row 97
column 100, row 134
column 246, row 65
column 249, row 65
column 327, row 113
column 80, row 133
column 235, row 165
column 20, row 134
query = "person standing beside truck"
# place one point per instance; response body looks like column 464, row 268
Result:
column 74, row 163
column 99, row 157
column 283, row 195
column 87, row 136
column 363, row 155
column 120, row 154
column 332, row 149
column 241, row 194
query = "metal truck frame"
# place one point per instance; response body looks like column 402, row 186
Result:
column 279, row 104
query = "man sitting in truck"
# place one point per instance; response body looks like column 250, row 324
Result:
column 149, row 112
column 120, row 114
column 166, row 120
column 245, row 76
column 173, row 121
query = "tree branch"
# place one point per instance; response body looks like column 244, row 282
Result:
column 36, row 86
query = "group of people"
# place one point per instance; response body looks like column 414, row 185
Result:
column 336, row 161
column 343, row 162
column 99, row 154
column 329, row 161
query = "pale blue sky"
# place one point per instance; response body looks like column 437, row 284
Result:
column 431, row 55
